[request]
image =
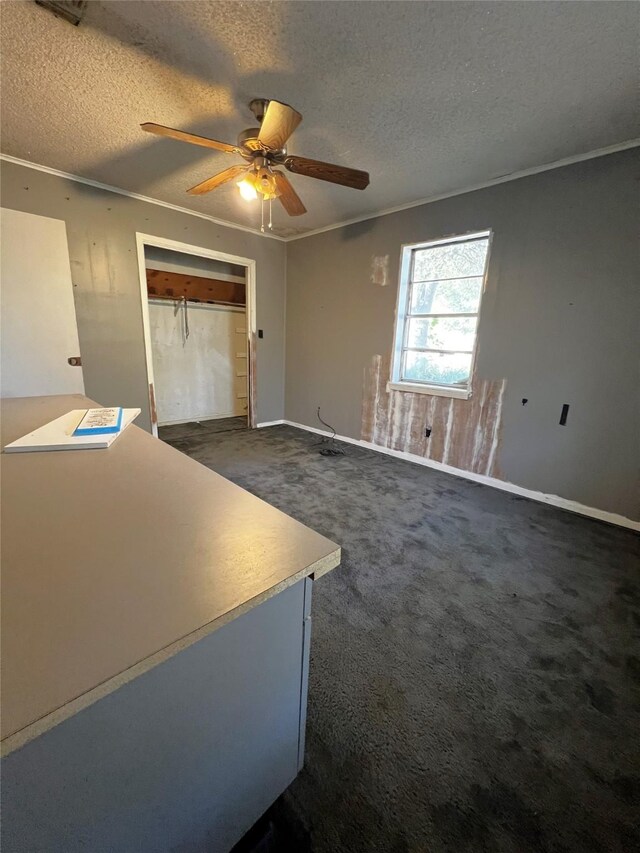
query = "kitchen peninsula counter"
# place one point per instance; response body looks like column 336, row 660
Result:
column 129, row 574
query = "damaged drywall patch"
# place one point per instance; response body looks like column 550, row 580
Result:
column 463, row 433
column 380, row 270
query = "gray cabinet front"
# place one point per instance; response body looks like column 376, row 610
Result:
column 185, row 757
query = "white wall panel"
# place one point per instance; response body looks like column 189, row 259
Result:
column 39, row 331
column 196, row 378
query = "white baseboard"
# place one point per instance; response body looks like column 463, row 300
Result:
column 200, row 418
column 553, row 500
column 270, row 423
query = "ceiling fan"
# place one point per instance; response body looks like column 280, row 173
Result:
column 264, row 148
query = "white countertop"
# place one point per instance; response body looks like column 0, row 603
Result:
column 113, row 560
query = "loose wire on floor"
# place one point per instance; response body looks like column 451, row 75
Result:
column 333, row 448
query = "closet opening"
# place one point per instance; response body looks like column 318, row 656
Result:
column 199, row 321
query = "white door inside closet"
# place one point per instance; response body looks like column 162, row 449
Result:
column 38, row 317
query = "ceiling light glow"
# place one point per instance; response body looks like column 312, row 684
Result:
column 247, row 189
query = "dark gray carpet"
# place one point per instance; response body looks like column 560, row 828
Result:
column 475, row 660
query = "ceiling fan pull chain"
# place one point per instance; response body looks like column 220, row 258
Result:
column 270, row 220
column 262, row 214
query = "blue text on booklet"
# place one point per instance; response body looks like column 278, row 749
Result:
column 100, row 422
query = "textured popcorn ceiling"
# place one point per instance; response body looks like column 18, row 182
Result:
column 429, row 97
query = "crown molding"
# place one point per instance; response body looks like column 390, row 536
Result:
column 79, row 179
column 503, row 179
column 512, row 176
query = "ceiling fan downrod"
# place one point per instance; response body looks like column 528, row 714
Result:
column 258, row 107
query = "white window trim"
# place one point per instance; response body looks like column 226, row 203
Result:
column 463, row 392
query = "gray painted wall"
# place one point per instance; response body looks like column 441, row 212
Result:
column 101, row 229
column 559, row 322
column 559, row 319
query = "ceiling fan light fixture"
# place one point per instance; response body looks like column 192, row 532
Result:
column 247, row 187
column 265, row 182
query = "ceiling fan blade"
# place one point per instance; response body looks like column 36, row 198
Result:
column 279, row 122
column 183, row 136
column 218, row 180
column 288, row 196
column 328, row 172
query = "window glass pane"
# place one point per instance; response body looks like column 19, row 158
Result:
column 451, row 261
column 449, row 369
column 453, row 296
column 455, row 333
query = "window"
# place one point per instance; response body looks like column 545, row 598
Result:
column 441, row 285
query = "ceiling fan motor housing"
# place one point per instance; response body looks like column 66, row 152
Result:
column 248, row 139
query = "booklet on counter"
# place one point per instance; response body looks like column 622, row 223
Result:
column 100, row 422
